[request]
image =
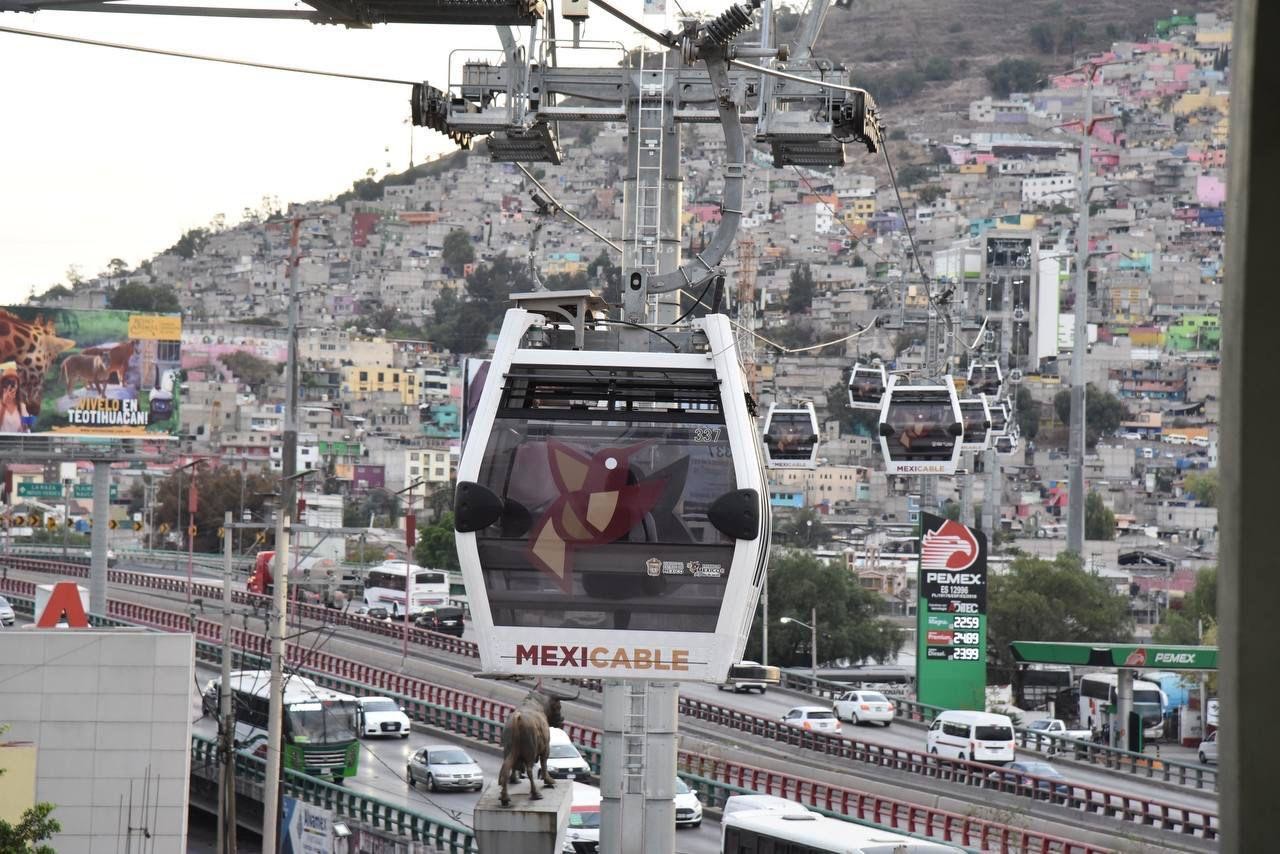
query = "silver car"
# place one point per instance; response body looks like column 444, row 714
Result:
column 442, row 766
column 7, row 617
column 1209, row 749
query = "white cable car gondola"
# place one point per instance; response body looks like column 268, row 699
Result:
column 920, row 428
column 976, row 418
column 866, row 386
column 1007, row 444
column 611, row 511
column 791, row 437
column 999, row 411
column 985, row 378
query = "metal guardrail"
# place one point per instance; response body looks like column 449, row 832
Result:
column 366, row 809
column 1174, row 771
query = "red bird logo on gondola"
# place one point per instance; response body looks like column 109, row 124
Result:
column 600, row 500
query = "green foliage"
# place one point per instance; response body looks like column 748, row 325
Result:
column 914, row 173
column 849, row 625
column 800, row 290
column 458, row 251
column 794, row 335
column 461, row 326
column 1103, row 412
column 1028, row 413
column 930, row 193
column 951, row 510
column 1013, row 75
column 1199, row 608
column 801, row 529
column 1099, row 522
column 436, row 546
column 191, row 242
column 218, row 489
column 34, row 826
column 250, row 369
column 1042, row 600
column 1203, row 486
column 55, row 292
column 392, row 321
column 938, row 68
column 377, row 508
column 149, row 298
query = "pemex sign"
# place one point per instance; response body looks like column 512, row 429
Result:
column 1126, row 655
column 951, row 616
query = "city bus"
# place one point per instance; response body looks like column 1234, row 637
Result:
column 1098, row 691
column 384, row 587
column 319, row 734
column 765, row 831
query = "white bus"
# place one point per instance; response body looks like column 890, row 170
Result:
column 1098, row 691
column 771, row 832
column 384, row 587
column 319, row 734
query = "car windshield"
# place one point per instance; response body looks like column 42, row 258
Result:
column 682, row 788
column 563, row 751
column 587, row 818
column 4, row 603
column 820, row 715
column 325, row 722
column 873, row 697
column 1040, row 769
column 1039, row 725
column 449, row 757
column 380, row 705
column 993, row 733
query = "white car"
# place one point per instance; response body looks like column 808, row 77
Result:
column 688, row 807
column 564, row 762
column 1209, row 749
column 813, row 718
column 381, row 716
column 859, row 707
column 584, row 820
column 7, row 617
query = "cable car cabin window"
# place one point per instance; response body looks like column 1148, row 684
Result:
column 920, row 428
column 973, row 414
column 606, row 478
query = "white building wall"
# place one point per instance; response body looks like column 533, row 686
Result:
column 104, row 709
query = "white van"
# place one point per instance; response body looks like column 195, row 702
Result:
column 564, row 762
column 976, row 736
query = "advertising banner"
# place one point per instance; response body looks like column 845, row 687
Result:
column 88, row 373
column 951, row 620
column 308, row 829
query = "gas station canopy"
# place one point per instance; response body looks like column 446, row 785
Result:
column 1126, row 655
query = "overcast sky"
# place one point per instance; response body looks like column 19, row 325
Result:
column 107, row 153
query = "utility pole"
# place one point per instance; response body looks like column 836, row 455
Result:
column 66, row 514
column 226, row 717
column 1076, row 441
column 764, row 629
column 813, row 644
column 289, row 449
column 275, row 710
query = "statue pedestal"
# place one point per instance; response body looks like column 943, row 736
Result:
column 527, row 826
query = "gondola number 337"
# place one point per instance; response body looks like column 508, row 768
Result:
column 706, row 435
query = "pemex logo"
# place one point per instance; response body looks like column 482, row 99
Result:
column 951, row 548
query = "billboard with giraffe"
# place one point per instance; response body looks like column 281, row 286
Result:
column 82, row 372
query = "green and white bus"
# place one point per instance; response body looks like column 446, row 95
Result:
column 319, row 734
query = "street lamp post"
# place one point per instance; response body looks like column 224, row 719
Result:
column 410, row 537
column 812, row 626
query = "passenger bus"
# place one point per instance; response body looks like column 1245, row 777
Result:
column 384, row 587
column 319, row 734
column 1098, row 691
column 767, row 831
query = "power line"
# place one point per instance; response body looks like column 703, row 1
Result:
column 204, row 57
column 615, row 247
column 836, row 216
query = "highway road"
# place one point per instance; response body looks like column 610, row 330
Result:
column 382, row 775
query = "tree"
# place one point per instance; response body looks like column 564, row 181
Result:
column 1203, row 487
column 1028, row 413
column 251, row 370
column 134, row 296
column 1199, row 612
column 800, row 290
column 802, row 529
column 930, row 193
column 34, row 825
column 1103, row 411
column 938, row 68
column 1099, row 522
column 218, row 489
column 437, row 547
column 191, row 242
column 849, row 622
column 458, row 251
column 914, row 173
column 1013, row 75
column 1042, row 600
column 55, row 292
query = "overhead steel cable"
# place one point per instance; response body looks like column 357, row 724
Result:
column 178, row 54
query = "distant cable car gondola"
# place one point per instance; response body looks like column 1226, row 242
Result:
column 920, row 428
column 999, row 411
column 791, row 437
column 1006, row 444
column 866, row 386
column 976, row 418
column 611, row 507
column 985, row 378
